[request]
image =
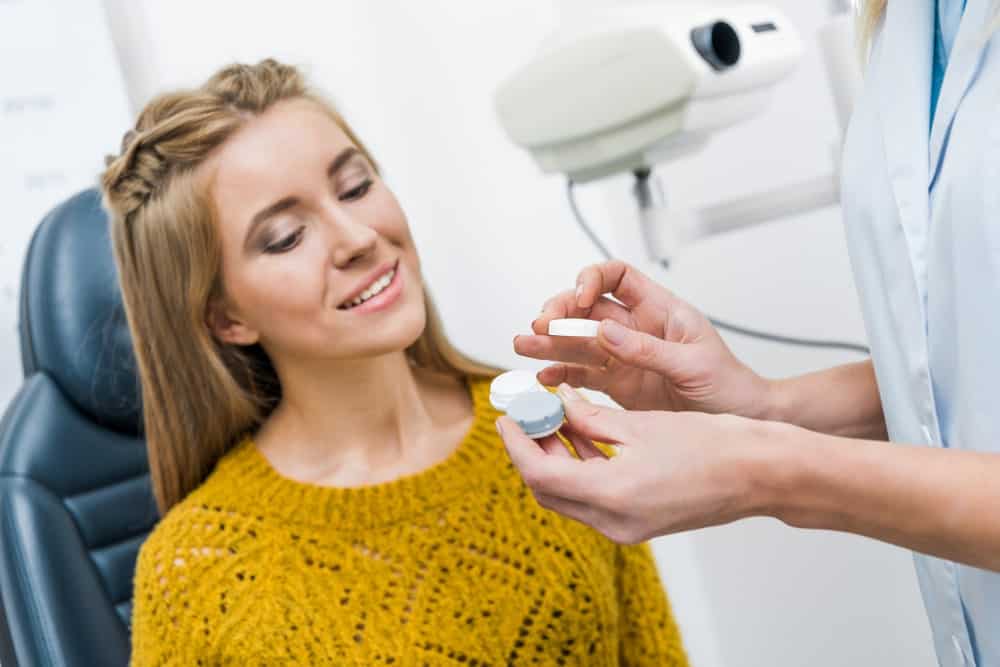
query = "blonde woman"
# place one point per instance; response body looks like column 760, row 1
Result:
column 333, row 487
column 921, row 203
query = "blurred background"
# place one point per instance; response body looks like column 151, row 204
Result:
column 497, row 238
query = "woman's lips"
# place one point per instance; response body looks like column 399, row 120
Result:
column 384, row 299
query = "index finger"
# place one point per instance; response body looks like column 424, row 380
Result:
column 564, row 305
column 558, row 307
column 549, row 474
column 625, row 282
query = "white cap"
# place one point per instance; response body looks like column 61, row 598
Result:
column 506, row 387
column 574, row 327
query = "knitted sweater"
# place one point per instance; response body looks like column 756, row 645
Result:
column 456, row 565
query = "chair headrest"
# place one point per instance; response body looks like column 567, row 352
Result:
column 73, row 324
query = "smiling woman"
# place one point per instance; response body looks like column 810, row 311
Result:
column 176, row 185
column 334, row 488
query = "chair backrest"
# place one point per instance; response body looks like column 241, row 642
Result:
column 75, row 499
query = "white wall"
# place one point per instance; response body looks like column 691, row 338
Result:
column 496, row 238
column 58, row 74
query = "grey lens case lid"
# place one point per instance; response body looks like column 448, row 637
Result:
column 537, row 413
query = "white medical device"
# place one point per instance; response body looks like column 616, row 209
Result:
column 623, row 89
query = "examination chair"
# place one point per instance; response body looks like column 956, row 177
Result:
column 75, row 499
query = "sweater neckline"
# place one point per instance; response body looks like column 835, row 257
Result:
column 477, row 457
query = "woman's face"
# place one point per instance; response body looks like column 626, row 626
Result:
column 317, row 258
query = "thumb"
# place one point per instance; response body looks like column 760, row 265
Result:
column 595, row 422
column 639, row 349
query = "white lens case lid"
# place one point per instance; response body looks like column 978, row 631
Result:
column 574, row 327
column 506, row 387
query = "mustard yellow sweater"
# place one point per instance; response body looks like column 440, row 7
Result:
column 457, row 565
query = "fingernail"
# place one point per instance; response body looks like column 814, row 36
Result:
column 567, row 393
column 499, row 428
column 579, row 291
column 613, row 332
column 534, row 322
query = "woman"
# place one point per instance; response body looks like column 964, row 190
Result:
column 921, row 205
column 333, row 489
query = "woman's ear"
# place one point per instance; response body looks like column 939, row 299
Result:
column 227, row 327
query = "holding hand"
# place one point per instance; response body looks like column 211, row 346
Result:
column 674, row 471
column 653, row 352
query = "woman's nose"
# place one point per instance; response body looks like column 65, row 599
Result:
column 352, row 241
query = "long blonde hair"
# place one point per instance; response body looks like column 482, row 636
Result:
column 200, row 396
column 872, row 12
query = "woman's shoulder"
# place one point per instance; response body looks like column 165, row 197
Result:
column 209, row 523
column 204, row 556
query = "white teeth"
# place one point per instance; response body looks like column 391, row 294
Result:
column 373, row 290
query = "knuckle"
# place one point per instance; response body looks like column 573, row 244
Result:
column 559, row 305
column 579, row 410
column 543, row 500
column 645, row 350
column 543, row 479
column 532, row 478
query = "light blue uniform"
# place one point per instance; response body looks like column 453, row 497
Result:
column 922, row 213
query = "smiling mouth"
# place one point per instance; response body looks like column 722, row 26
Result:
column 372, row 290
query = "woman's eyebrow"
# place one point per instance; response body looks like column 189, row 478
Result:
column 342, row 158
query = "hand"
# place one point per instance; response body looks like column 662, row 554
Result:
column 653, row 352
column 673, row 472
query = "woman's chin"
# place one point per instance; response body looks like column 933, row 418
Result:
column 358, row 341
column 397, row 336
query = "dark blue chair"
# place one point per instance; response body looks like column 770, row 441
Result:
column 75, row 499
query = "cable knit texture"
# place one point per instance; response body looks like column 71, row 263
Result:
column 457, row 565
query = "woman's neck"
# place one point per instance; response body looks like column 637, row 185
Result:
column 362, row 422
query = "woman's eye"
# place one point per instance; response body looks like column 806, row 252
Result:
column 284, row 244
column 357, row 192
